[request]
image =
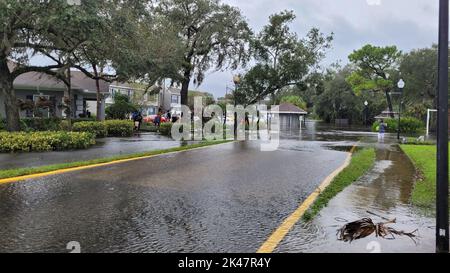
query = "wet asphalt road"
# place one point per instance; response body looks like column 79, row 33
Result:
column 226, row 198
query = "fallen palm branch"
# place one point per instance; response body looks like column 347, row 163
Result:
column 365, row 227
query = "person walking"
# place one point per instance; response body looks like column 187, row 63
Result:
column 157, row 120
column 381, row 130
column 137, row 118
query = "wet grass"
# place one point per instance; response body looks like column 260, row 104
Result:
column 43, row 169
column 362, row 160
column 424, row 158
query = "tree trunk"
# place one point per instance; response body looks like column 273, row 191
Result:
column 100, row 115
column 389, row 101
column 11, row 107
column 68, row 96
column 185, row 87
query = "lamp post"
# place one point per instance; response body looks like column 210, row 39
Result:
column 400, row 85
column 366, row 104
column 236, row 81
column 442, row 230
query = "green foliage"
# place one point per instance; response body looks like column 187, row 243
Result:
column 96, row 128
column 166, row 128
column 408, row 125
column 339, row 101
column 424, row 158
column 207, row 98
column 295, row 100
column 282, row 58
column 119, row 128
column 419, row 71
column 42, row 124
column 149, row 127
column 121, row 107
column 44, row 141
column 361, row 162
column 374, row 69
column 36, row 124
column 2, row 125
column 214, row 35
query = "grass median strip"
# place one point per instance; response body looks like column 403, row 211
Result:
column 22, row 172
column 424, row 159
column 362, row 160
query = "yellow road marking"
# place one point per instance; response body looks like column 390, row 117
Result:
column 72, row 169
column 278, row 235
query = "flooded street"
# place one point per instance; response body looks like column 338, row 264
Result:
column 383, row 192
column 225, row 198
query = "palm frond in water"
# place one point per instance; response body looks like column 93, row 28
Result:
column 365, row 227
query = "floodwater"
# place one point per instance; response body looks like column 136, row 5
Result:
column 384, row 192
column 226, row 198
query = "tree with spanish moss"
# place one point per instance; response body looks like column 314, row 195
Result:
column 214, row 36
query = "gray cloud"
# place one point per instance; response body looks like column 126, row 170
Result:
column 407, row 24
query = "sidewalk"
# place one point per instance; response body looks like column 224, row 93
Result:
column 385, row 191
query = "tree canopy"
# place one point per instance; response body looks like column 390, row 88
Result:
column 374, row 67
column 213, row 35
column 282, row 58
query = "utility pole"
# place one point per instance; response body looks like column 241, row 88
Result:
column 442, row 230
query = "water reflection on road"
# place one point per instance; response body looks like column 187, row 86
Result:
column 384, row 191
column 225, row 198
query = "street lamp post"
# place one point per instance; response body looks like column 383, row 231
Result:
column 237, row 81
column 366, row 109
column 442, row 230
column 400, row 85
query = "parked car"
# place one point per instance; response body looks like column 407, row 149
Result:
column 151, row 118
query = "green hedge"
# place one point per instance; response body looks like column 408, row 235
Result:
column 407, row 125
column 111, row 128
column 35, row 124
column 44, row 141
column 123, row 128
column 166, row 128
column 94, row 127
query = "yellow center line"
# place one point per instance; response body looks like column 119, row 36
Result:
column 278, row 235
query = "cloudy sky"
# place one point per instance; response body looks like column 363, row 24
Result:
column 408, row 24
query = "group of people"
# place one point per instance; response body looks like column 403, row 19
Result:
column 160, row 117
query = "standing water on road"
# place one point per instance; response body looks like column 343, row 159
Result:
column 384, row 191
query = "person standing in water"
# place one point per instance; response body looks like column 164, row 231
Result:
column 381, row 130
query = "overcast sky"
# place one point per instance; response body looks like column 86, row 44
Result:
column 408, row 24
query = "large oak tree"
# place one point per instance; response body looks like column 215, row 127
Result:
column 213, row 36
column 282, row 58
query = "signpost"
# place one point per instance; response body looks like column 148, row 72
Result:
column 442, row 230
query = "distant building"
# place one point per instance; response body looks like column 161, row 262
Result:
column 169, row 98
column 291, row 116
column 34, row 86
column 386, row 115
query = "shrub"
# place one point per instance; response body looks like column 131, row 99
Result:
column 44, row 141
column 165, row 129
column 41, row 124
column 120, row 108
column 94, row 127
column 149, row 127
column 122, row 128
column 407, row 125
